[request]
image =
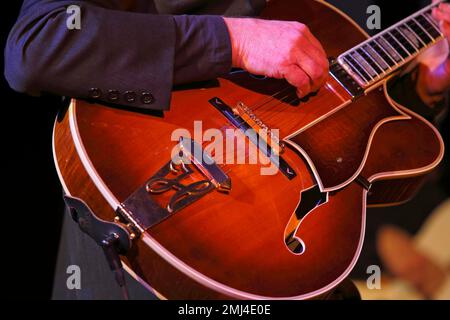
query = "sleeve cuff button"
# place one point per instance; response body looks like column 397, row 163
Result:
column 95, row 93
column 113, row 95
column 147, row 98
column 130, row 96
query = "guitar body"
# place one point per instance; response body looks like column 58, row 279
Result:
column 233, row 245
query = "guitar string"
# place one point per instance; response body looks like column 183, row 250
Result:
column 288, row 87
column 278, row 112
column 230, row 125
column 272, row 111
column 236, row 151
column 271, row 99
column 268, row 110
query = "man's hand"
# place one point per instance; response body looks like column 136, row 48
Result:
column 279, row 49
column 432, row 84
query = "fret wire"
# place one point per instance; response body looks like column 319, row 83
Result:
column 355, row 69
column 430, row 19
column 361, row 66
column 424, row 30
column 387, row 54
column 400, row 38
column 368, row 64
column 396, row 40
column 398, row 53
column 374, row 60
column 417, row 36
column 379, row 55
column 399, row 30
column 435, row 32
column 419, row 30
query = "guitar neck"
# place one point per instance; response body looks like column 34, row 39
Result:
column 386, row 52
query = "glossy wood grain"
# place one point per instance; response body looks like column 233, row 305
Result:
column 237, row 239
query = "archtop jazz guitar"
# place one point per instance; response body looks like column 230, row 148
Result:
column 289, row 225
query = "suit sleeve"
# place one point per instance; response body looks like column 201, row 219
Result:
column 128, row 58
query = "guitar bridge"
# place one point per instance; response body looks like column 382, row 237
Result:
column 242, row 124
column 187, row 177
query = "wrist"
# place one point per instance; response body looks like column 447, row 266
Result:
column 235, row 28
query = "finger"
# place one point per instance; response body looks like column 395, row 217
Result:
column 315, row 66
column 299, row 79
column 445, row 28
column 444, row 7
column 441, row 15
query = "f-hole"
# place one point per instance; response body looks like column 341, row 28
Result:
column 310, row 199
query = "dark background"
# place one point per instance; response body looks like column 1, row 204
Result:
column 32, row 206
column 31, row 194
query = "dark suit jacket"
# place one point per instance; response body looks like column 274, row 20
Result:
column 132, row 52
column 129, row 52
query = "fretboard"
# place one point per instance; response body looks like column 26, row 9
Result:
column 379, row 56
